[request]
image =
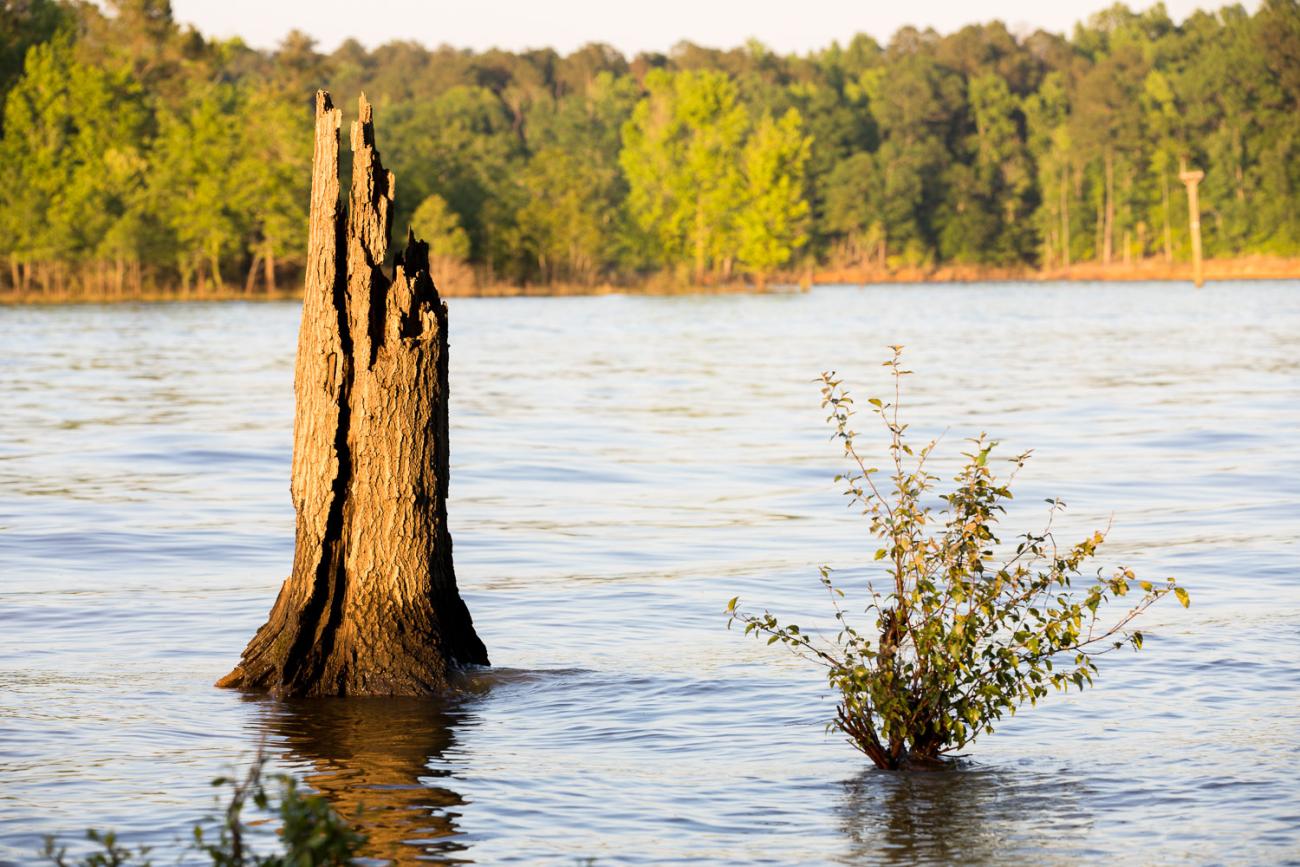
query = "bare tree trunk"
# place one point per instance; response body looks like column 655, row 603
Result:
column 1238, row 173
column 270, row 270
column 699, row 244
column 371, row 607
column 251, row 280
column 1101, row 226
column 1108, row 238
column 214, row 262
column 1065, row 218
column 1169, row 232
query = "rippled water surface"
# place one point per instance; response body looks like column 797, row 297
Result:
column 620, row 468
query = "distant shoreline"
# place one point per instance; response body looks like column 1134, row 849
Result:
column 1149, row 270
column 1145, row 270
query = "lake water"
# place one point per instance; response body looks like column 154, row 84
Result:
column 621, row 467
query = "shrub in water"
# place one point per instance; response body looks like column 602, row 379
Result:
column 955, row 638
column 311, row 833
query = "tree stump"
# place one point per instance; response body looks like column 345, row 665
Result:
column 371, row 607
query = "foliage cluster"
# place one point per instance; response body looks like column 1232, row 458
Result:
column 311, row 833
column 965, row 629
column 142, row 151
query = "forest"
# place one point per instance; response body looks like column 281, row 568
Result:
column 141, row 156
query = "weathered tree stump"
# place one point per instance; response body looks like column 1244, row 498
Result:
column 371, row 607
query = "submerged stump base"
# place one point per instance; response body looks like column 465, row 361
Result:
column 371, row 607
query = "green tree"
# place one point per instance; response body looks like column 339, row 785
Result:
column 1047, row 121
column 24, row 23
column 270, row 181
column 1163, row 118
column 196, row 160
column 1004, row 170
column 462, row 146
column 914, row 101
column 586, row 128
column 681, row 152
column 70, row 143
column 141, row 39
column 560, row 221
column 437, row 224
column 1108, row 130
column 771, row 222
column 854, row 207
column 145, row 151
column 1277, row 33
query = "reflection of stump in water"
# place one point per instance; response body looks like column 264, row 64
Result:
column 374, row 753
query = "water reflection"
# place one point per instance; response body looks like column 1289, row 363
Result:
column 381, row 755
column 972, row 814
column 602, row 523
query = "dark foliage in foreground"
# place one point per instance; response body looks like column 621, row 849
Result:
column 311, row 833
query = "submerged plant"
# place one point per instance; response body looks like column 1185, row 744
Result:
column 311, row 833
column 964, row 629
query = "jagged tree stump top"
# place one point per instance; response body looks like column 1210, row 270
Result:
column 371, row 607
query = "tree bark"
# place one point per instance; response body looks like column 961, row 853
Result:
column 251, row 280
column 699, row 243
column 270, row 268
column 1065, row 217
column 1164, row 201
column 1108, row 239
column 371, row 607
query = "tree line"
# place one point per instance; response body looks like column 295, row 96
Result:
column 139, row 153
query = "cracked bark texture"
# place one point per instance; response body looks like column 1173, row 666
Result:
column 371, row 607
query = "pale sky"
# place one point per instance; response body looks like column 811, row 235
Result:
column 653, row 25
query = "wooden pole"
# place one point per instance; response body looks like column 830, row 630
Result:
column 1192, row 179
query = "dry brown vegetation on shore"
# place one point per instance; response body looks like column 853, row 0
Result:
column 1244, row 268
column 1153, row 269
